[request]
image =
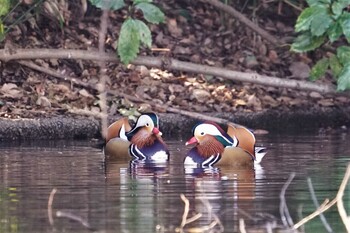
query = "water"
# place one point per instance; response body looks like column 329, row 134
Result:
column 123, row 197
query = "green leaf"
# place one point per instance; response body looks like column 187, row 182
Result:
column 344, row 79
column 344, row 21
column 343, row 54
column 335, row 65
column 306, row 42
column 338, row 7
column 334, row 31
column 317, row 2
column 139, row 1
column 145, row 33
column 129, row 41
column 315, row 18
column 5, row 7
column 304, row 19
column 108, row 4
column 320, row 22
column 151, row 13
column 319, row 69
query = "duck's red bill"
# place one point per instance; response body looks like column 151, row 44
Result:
column 156, row 131
column 191, row 141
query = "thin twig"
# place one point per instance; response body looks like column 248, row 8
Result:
column 171, row 64
column 340, row 203
column 242, row 18
column 242, row 226
column 285, row 216
column 315, row 201
column 186, row 210
column 49, row 206
column 103, row 78
column 326, row 205
column 64, row 214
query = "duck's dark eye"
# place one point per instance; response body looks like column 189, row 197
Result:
column 202, row 133
column 147, row 124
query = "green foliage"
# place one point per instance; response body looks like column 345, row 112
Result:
column 129, row 41
column 5, row 7
column 108, row 4
column 133, row 32
column 323, row 21
column 151, row 13
column 319, row 69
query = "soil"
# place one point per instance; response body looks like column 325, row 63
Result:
column 194, row 32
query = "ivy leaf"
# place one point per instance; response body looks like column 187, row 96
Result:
column 343, row 54
column 320, row 21
column 145, row 33
column 129, row 41
column 335, row 65
column 319, row 69
column 334, row 31
column 151, row 13
column 344, row 79
column 108, row 4
column 306, row 42
column 344, row 21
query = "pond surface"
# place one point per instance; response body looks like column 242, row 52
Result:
column 123, row 197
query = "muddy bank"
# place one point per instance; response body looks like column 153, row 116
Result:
column 175, row 125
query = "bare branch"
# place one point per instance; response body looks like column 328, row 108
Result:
column 242, row 18
column 171, row 64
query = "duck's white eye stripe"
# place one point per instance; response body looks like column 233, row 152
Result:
column 210, row 129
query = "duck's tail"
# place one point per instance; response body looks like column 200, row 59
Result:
column 260, row 152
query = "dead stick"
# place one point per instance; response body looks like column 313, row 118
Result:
column 242, row 18
column 315, row 201
column 103, row 78
column 325, row 206
column 285, row 216
column 49, row 206
column 19, row 54
column 340, row 203
column 186, row 210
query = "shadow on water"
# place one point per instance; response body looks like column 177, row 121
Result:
column 138, row 197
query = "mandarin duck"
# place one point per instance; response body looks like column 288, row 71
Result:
column 236, row 147
column 142, row 142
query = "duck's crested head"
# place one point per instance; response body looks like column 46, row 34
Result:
column 145, row 130
column 211, row 129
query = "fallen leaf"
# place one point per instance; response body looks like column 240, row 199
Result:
column 43, row 101
column 299, row 70
column 200, row 95
column 11, row 90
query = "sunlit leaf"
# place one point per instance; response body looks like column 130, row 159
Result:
column 343, row 54
column 129, row 41
column 344, row 79
column 151, row 13
column 306, row 42
column 335, row 65
column 145, row 33
column 304, row 19
column 108, row 4
column 344, row 21
column 319, row 69
column 334, row 31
